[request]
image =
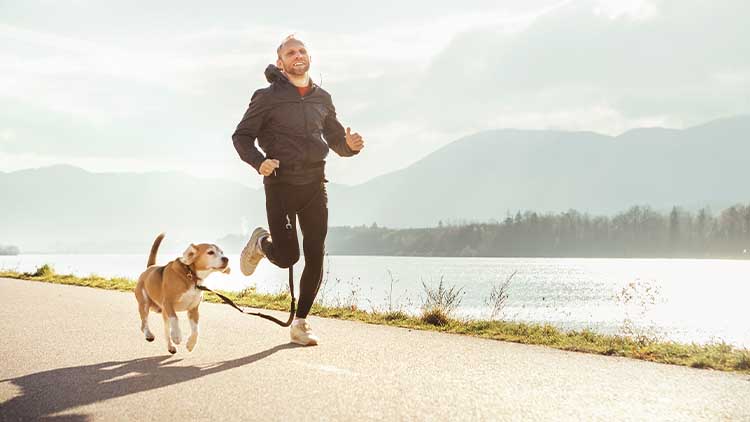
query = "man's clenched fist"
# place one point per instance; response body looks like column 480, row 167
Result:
column 354, row 140
column 268, row 166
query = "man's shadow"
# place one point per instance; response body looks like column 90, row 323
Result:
column 46, row 393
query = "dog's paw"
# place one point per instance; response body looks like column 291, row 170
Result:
column 149, row 335
column 172, row 349
column 191, row 343
column 176, row 336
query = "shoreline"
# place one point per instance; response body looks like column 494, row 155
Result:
column 718, row 356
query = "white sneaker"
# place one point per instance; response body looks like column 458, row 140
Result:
column 252, row 254
column 301, row 333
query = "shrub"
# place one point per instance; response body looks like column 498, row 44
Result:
column 45, row 270
column 743, row 361
column 439, row 303
column 434, row 316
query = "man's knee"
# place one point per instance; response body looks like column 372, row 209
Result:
column 287, row 260
column 314, row 245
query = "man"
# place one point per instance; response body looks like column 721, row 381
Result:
column 295, row 123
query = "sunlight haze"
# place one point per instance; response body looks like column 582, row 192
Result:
column 143, row 86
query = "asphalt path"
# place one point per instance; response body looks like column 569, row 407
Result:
column 74, row 353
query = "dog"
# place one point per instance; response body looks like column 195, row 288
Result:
column 172, row 288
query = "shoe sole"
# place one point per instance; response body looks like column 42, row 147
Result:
column 248, row 265
column 309, row 343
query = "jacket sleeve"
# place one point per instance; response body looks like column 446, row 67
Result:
column 336, row 135
column 248, row 129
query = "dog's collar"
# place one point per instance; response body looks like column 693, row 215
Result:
column 191, row 274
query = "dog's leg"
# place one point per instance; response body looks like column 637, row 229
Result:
column 144, row 322
column 171, row 327
column 193, row 317
column 144, row 305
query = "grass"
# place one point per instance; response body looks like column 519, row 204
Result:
column 718, row 356
column 439, row 303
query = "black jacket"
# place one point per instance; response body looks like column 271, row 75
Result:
column 291, row 129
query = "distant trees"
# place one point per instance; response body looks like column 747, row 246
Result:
column 639, row 231
column 9, row 250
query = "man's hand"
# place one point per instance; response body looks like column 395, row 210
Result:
column 268, row 166
column 354, row 140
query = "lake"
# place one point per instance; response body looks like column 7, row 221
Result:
column 685, row 300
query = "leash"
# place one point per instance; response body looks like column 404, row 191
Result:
column 292, row 306
column 228, row 301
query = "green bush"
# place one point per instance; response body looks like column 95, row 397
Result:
column 45, row 270
column 743, row 361
column 434, row 316
column 439, row 303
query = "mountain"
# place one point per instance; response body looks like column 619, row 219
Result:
column 486, row 175
column 480, row 177
column 64, row 208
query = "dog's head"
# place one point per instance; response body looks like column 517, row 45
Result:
column 206, row 258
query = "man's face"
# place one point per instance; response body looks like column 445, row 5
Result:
column 293, row 59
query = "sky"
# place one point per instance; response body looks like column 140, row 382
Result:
column 151, row 86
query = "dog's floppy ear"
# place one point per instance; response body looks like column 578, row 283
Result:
column 188, row 257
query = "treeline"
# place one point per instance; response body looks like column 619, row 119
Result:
column 638, row 232
column 9, row 250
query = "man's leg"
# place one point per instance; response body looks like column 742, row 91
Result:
column 313, row 222
column 282, row 248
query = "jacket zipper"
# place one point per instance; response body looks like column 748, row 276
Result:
column 304, row 115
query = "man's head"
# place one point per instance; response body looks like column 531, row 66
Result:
column 292, row 57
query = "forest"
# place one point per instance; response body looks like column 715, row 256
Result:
column 637, row 232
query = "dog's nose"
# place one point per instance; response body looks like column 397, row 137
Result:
column 225, row 260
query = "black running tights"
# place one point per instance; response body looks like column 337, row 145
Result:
column 310, row 204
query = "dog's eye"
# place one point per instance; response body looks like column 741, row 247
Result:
column 210, row 252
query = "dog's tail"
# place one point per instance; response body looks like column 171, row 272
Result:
column 154, row 249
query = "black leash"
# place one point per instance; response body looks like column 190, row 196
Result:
column 228, row 301
column 292, row 306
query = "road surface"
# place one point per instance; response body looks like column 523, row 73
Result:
column 74, row 353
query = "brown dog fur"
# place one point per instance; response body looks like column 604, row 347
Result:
column 171, row 288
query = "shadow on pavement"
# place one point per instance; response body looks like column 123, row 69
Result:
column 45, row 393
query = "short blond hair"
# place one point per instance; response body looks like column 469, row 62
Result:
column 287, row 40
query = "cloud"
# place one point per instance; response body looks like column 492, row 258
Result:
column 84, row 91
column 649, row 61
column 638, row 10
column 169, row 84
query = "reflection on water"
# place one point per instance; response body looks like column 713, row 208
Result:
column 694, row 300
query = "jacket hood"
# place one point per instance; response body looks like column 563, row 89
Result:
column 274, row 74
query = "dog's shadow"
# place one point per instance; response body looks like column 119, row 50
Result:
column 45, row 393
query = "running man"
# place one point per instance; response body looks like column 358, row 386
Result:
column 295, row 123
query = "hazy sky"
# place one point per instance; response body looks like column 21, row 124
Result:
column 138, row 86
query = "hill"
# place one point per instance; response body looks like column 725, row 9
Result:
column 481, row 177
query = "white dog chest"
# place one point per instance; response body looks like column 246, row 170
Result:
column 189, row 300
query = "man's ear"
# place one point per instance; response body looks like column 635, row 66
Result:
column 280, row 64
column 188, row 257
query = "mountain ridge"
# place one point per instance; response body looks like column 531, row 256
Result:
column 479, row 177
